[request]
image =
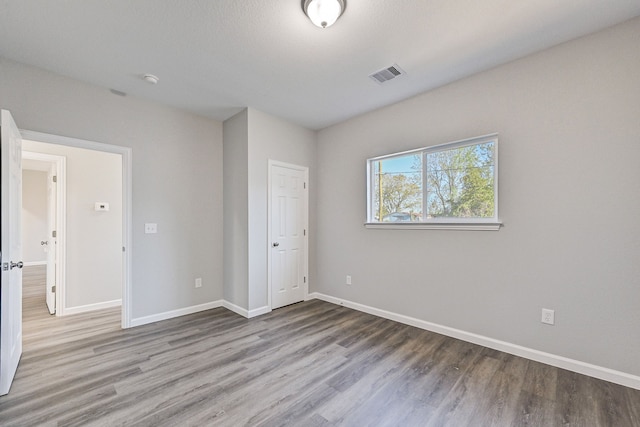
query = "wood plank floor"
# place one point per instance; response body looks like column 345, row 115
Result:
column 309, row 364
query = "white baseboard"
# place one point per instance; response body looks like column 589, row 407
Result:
column 235, row 308
column 259, row 311
column 32, row 263
column 138, row 321
column 244, row 312
column 611, row 375
column 91, row 307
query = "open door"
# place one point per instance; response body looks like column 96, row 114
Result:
column 52, row 240
column 11, row 261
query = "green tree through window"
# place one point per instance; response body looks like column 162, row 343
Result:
column 460, row 182
column 398, row 192
column 451, row 181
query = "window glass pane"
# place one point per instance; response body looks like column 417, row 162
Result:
column 397, row 189
column 460, row 182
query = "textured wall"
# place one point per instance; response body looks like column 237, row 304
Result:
column 177, row 178
column 569, row 127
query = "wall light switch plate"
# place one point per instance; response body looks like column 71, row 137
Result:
column 150, row 228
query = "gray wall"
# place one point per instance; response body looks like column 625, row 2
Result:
column 177, row 178
column 236, row 212
column 569, row 185
column 34, row 215
column 251, row 138
column 569, row 125
column 273, row 138
column 94, row 239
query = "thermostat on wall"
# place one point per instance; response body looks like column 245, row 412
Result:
column 102, row 206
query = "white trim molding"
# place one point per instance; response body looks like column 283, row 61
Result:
column 92, row 307
column 611, row 375
column 259, row 311
column 478, row 226
column 244, row 312
column 235, row 308
column 139, row 321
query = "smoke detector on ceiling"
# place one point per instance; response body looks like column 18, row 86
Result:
column 387, row 74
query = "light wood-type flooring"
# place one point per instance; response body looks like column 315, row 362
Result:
column 308, row 364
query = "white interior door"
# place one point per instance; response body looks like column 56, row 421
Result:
column 52, row 241
column 288, row 219
column 11, row 278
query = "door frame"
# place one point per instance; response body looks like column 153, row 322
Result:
column 61, row 219
column 127, row 203
column 299, row 168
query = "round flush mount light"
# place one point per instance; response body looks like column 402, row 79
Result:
column 150, row 78
column 324, row 13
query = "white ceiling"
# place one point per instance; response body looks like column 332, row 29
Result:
column 215, row 57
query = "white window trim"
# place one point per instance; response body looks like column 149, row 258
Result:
column 474, row 224
column 488, row 226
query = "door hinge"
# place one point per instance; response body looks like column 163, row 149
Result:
column 304, row 232
column 305, row 279
column 55, row 178
column 123, row 249
column 54, row 233
column 305, row 185
column 53, row 288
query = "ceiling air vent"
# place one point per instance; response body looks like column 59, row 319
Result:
column 387, row 74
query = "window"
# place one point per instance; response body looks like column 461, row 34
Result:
column 452, row 185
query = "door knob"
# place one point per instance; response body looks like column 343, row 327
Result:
column 276, row 244
column 43, row 242
column 13, row 265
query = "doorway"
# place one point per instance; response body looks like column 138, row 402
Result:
column 96, row 209
column 11, row 300
column 288, row 233
column 43, row 220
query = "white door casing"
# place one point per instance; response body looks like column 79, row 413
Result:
column 288, row 236
column 127, row 216
column 52, row 245
column 11, row 267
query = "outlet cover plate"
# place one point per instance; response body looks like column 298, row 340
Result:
column 548, row 316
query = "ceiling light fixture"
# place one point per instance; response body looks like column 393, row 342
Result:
column 324, row 13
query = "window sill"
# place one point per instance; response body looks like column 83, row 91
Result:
column 471, row 226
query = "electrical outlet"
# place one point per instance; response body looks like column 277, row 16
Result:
column 548, row 316
column 150, row 228
column 199, row 282
column 348, row 281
